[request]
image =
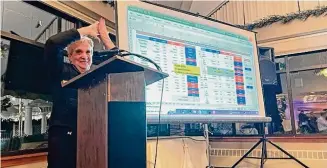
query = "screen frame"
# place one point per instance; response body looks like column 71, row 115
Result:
column 122, row 36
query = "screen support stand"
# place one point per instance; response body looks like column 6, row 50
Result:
column 206, row 133
column 264, row 156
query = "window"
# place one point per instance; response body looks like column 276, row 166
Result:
column 24, row 27
column 304, row 61
column 307, row 79
column 301, row 95
column 27, row 21
column 283, row 104
column 309, row 94
column 24, row 20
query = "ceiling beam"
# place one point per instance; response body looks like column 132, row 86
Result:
column 9, row 36
column 81, row 10
column 217, row 8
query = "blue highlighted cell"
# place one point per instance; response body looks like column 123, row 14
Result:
column 239, row 83
column 238, row 64
column 151, row 39
column 193, row 89
column 238, row 69
column 192, row 79
column 193, row 95
column 189, row 49
column 240, row 91
column 158, row 40
column 190, row 52
column 241, row 100
column 191, row 63
column 210, row 50
column 142, row 37
column 249, row 87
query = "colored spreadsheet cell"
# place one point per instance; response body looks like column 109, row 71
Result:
column 192, row 85
column 240, row 95
column 192, row 63
column 175, row 44
column 239, row 86
column 239, row 64
column 239, row 83
column 238, row 70
column 190, row 52
column 186, row 69
column 220, row 72
column 210, row 50
column 237, row 58
column 192, row 78
column 193, row 92
column 249, row 87
column 239, row 79
column 227, row 53
column 241, row 100
column 193, row 95
column 240, row 92
column 193, row 89
column 190, row 55
column 238, row 74
column 191, row 60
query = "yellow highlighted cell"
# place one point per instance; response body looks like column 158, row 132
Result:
column 187, row 69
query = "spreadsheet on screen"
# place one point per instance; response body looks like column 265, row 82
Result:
column 211, row 71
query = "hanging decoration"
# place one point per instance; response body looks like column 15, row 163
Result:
column 321, row 72
column 303, row 15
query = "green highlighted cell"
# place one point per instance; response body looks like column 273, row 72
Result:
column 220, row 72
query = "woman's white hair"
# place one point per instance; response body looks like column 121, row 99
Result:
column 71, row 47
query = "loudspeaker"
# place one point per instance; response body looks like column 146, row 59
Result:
column 267, row 66
column 271, row 85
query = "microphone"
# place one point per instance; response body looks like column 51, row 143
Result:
column 106, row 53
column 100, row 56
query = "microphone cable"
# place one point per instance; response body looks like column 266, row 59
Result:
column 124, row 53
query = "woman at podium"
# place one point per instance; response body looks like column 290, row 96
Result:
column 63, row 121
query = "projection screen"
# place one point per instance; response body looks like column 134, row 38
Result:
column 213, row 67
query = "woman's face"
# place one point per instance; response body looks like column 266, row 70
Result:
column 81, row 56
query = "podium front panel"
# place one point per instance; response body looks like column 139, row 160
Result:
column 112, row 114
column 127, row 120
column 126, row 87
column 92, row 128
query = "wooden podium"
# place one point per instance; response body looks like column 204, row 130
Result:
column 111, row 125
